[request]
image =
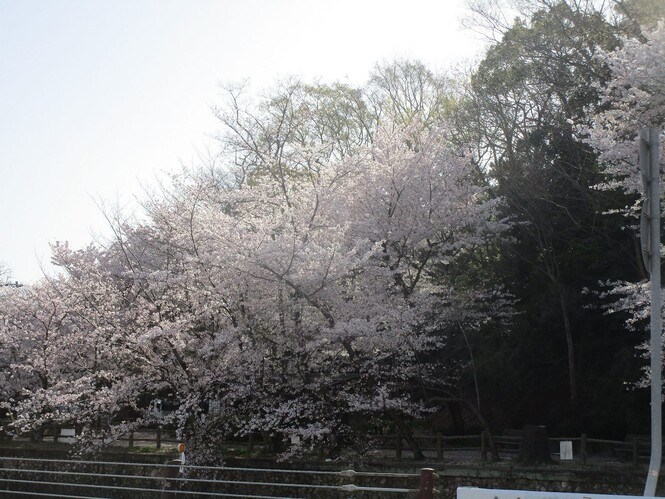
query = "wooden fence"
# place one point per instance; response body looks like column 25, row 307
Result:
column 142, row 437
column 633, row 449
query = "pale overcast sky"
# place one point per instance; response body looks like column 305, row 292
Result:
column 98, row 97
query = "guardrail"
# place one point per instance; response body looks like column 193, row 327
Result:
column 89, row 479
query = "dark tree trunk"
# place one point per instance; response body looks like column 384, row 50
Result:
column 572, row 371
column 37, row 435
column 534, row 448
column 408, row 436
column 274, row 443
column 456, row 414
column 490, row 439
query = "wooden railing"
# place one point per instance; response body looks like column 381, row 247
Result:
column 153, row 437
column 634, row 449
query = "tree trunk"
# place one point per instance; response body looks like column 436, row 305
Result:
column 408, row 436
column 572, row 371
column 37, row 435
column 490, row 439
column 456, row 414
column 274, row 443
column 534, row 448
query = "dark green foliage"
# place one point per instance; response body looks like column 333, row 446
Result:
column 562, row 363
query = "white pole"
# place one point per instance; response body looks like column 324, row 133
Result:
column 649, row 151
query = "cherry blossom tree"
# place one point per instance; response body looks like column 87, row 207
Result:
column 288, row 304
column 634, row 99
column 52, row 362
column 334, row 278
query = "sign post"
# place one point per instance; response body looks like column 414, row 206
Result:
column 181, row 449
column 650, row 237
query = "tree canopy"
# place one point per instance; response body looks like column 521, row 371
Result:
column 376, row 253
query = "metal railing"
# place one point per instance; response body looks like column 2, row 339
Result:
column 98, row 479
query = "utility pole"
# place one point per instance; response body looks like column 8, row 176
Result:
column 650, row 238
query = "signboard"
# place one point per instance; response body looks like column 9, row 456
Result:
column 475, row 493
column 566, row 450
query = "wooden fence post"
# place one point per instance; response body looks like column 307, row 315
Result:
column 426, row 490
column 439, row 447
column 399, row 446
column 583, row 448
column 483, row 447
column 159, row 438
column 56, row 433
column 171, row 471
column 636, row 452
column 250, row 444
column 131, row 439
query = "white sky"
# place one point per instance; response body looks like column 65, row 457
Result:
column 98, row 97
